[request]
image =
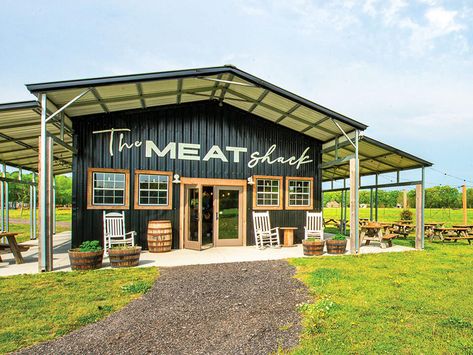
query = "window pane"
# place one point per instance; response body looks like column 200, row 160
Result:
column 267, row 192
column 299, row 192
column 108, row 189
column 153, row 189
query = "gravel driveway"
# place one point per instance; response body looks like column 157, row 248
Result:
column 237, row 308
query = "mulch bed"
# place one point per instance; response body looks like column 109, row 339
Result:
column 236, row 308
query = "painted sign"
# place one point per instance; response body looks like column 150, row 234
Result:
column 192, row 151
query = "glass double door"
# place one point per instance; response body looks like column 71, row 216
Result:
column 212, row 216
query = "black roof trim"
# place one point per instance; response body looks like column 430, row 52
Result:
column 187, row 73
column 19, row 105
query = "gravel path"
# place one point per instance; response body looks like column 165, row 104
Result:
column 237, row 308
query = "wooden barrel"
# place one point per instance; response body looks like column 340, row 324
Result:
column 89, row 260
column 126, row 257
column 312, row 248
column 336, row 246
column 159, row 236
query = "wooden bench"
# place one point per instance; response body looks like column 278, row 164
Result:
column 13, row 246
column 468, row 238
column 21, row 247
column 389, row 239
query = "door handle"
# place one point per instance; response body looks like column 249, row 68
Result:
column 216, row 216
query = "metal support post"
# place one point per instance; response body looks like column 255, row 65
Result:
column 371, row 204
column 356, row 192
column 54, row 205
column 43, row 193
column 7, row 202
column 376, row 198
column 34, row 208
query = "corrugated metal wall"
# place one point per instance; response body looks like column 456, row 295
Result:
column 206, row 123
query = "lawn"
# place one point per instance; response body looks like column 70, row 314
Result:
column 411, row 302
column 449, row 216
column 20, row 222
column 36, row 308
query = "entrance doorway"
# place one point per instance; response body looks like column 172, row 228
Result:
column 213, row 214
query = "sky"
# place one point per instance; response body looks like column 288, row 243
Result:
column 404, row 68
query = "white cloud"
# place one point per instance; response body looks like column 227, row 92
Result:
column 439, row 23
column 391, row 12
column 369, row 8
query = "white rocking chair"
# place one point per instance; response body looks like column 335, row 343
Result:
column 114, row 231
column 264, row 234
column 314, row 225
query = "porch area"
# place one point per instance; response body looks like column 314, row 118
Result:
column 176, row 257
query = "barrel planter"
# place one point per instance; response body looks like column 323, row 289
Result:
column 336, row 246
column 85, row 260
column 159, row 236
column 124, row 256
column 313, row 247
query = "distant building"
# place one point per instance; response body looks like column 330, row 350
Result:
column 333, row 204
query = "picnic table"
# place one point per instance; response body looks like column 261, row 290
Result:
column 331, row 221
column 402, row 229
column 12, row 245
column 429, row 227
column 374, row 232
column 468, row 226
column 454, row 233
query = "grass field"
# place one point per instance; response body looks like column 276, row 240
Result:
column 36, row 308
column 412, row 302
column 449, row 216
column 20, row 222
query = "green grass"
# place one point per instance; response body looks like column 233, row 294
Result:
column 23, row 226
column 449, row 216
column 36, row 308
column 412, row 302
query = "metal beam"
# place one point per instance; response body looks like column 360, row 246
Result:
column 139, row 97
column 337, row 162
column 288, row 112
column 62, row 143
column 99, row 99
column 272, row 108
column 67, row 104
column 258, row 101
column 139, row 89
column 366, row 187
column 225, row 88
column 315, row 125
column 179, row 91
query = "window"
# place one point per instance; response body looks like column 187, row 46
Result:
column 153, row 190
column 107, row 188
column 299, row 193
column 267, row 192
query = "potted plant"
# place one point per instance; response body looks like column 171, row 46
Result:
column 313, row 246
column 124, row 256
column 337, row 245
column 88, row 256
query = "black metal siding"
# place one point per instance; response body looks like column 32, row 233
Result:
column 205, row 123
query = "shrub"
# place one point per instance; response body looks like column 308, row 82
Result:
column 406, row 215
column 90, row 245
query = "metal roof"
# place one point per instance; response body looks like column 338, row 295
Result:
column 20, row 121
column 375, row 157
column 20, row 126
column 226, row 84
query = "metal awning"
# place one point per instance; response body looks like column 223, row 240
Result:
column 20, row 124
column 225, row 84
column 375, row 157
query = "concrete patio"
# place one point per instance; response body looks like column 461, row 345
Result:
column 179, row 257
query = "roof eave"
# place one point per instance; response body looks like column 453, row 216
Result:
column 35, row 89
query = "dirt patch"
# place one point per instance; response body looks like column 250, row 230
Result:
column 238, row 308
